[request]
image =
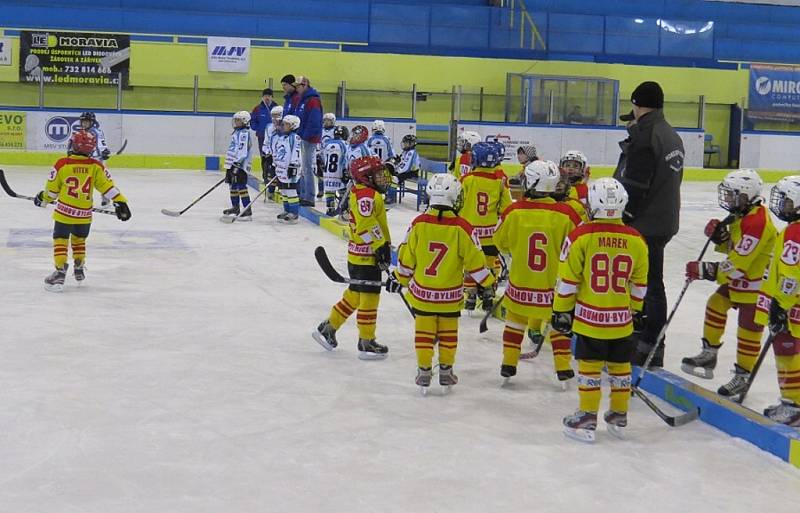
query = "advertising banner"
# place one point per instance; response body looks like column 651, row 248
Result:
column 74, row 57
column 12, row 130
column 5, row 51
column 228, row 54
column 774, row 92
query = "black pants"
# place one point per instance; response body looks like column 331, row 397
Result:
column 655, row 302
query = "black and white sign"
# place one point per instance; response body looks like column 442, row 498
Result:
column 5, row 51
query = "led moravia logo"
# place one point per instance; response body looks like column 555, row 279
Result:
column 98, row 42
column 238, row 51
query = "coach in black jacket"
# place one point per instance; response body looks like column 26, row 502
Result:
column 651, row 169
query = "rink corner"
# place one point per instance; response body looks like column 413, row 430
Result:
column 725, row 415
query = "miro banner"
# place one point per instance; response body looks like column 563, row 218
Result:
column 74, row 57
column 229, row 54
column 774, row 92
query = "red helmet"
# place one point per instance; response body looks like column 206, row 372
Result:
column 371, row 172
column 359, row 134
column 83, row 142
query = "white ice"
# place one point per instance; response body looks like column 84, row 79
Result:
column 181, row 377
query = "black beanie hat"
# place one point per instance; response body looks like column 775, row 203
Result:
column 288, row 79
column 267, row 91
column 648, row 94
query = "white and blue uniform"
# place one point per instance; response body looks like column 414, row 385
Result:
column 266, row 150
column 285, row 152
column 238, row 161
column 381, row 146
column 335, row 171
column 358, row 151
column 408, row 165
column 327, row 135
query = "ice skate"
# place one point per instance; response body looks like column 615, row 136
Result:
column 247, row 215
column 233, row 211
column 616, row 422
column 55, row 282
column 371, row 350
column 325, row 335
column 738, row 383
column 564, row 377
column 423, row 380
column 289, row 218
column 507, row 372
column 703, row 364
column 787, row 412
column 581, row 426
column 470, row 302
column 79, row 272
column 330, row 212
column 447, row 378
column 282, row 216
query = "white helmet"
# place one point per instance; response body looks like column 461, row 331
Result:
column 607, row 199
column 573, row 175
column 784, row 199
column 292, row 121
column 243, row 116
column 466, row 140
column 276, row 112
column 330, row 118
column 739, row 190
column 541, row 176
column 378, row 126
column 444, row 190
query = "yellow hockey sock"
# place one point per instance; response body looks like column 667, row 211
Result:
column 447, row 334
column 424, row 339
column 789, row 376
column 344, row 308
column 562, row 352
column 367, row 314
column 619, row 376
column 513, row 334
column 78, row 249
column 717, row 308
column 60, row 252
column 747, row 348
column 589, row 385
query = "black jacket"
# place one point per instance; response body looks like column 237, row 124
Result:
column 651, row 170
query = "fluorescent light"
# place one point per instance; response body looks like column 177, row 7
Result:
column 638, row 20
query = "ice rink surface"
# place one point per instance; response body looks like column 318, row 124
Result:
column 181, row 377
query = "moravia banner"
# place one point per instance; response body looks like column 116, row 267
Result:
column 774, row 92
column 74, row 57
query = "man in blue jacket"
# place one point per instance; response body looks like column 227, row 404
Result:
column 309, row 110
column 290, row 96
column 260, row 119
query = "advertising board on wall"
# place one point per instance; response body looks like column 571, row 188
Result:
column 228, row 54
column 5, row 51
column 774, row 92
column 12, row 130
column 73, row 57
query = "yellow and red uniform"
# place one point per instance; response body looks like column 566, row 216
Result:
column 781, row 285
column 578, row 200
column 72, row 183
column 752, row 239
column 431, row 262
column 461, row 164
column 532, row 231
column 368, row 232
column 603, row 278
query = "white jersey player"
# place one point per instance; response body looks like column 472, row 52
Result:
column 379, row 143
column 335, row 172
column 285, row 153
column 238, row 160
column 328, row 127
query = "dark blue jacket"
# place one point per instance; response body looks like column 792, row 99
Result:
column 260, row 118
column 309, row 110
column 290, row 103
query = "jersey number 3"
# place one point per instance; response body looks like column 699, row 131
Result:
column 73, row 184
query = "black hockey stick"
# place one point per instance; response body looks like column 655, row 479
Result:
column 173, row 213
column 10, row 192
column 671, row 420
column 122, row 148
column 485, row 321
column 231, row 219
column 761, row 355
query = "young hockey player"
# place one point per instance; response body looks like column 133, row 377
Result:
column 379, row 143
column 358, row 147
column 72, row 182
column 334, row 151
column 272, row 131
column 747, row 244
column 88, row 122
column 237, row 165
column 532, row 231
column 462, row 161
column 437, row 250
column 285, row 153
column 328, row 126
column 369, row 253
column 408, row 165
column 602, row 283
column 572, row 188
column 778, row 301
column 525, row 155
column 486, row 195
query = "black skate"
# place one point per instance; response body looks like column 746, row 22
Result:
column 616, row 422
column 233, row 211
column 471, row 301
column 55, row 282
column 423, row 380
column 282, row 215
column 736, row 385
column 703, row 364
column 371, row 350
column 247, row 215
column 325, row 336
column 581, row 426
column 564, row 376
column 289, row 218
column 446, row 377
column 79, row 272
column 507, row 372
column 330, row 212
column 787, row 412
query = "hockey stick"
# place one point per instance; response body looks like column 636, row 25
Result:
column 533, row 353
column 761, row 355
column 122, row 148
column 485, row 321
column 661, row 334
column 173, row 213
column 671, row 420
column 231, row 219
column 7, row 188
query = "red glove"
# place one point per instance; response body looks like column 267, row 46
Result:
column 701, row 271
column 716, row 232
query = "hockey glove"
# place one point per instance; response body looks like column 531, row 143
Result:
column 122, row 210
column 105, row 154
column 229, row 176
column 639, row 321
column 291, row 172
column 392, row 285
column 487, row 298
column 39, row 200
column 717, row 232
column 701, row 270
column 561, row 322
column 778, row 320
column 383, row 257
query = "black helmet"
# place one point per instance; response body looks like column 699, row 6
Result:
column 341, row 133
column 409, row 141
column 88, row 116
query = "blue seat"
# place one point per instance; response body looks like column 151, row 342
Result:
column 710, row 149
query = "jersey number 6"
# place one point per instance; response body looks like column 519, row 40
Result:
column 537, row 256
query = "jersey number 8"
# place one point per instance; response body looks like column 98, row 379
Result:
column 611, row 273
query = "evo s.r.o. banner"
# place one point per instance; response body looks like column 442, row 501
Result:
column 82, row 58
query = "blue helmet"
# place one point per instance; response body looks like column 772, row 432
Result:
column 485, row 154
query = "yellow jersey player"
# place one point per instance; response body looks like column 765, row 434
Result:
column 779, row 298
column 486, row 195
column 462, row 161
column 71, row 183
column 369, row 253
column 602, row 283
column 437, row 250
column 532, row 231
column 747, row 244
column 573, row 190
